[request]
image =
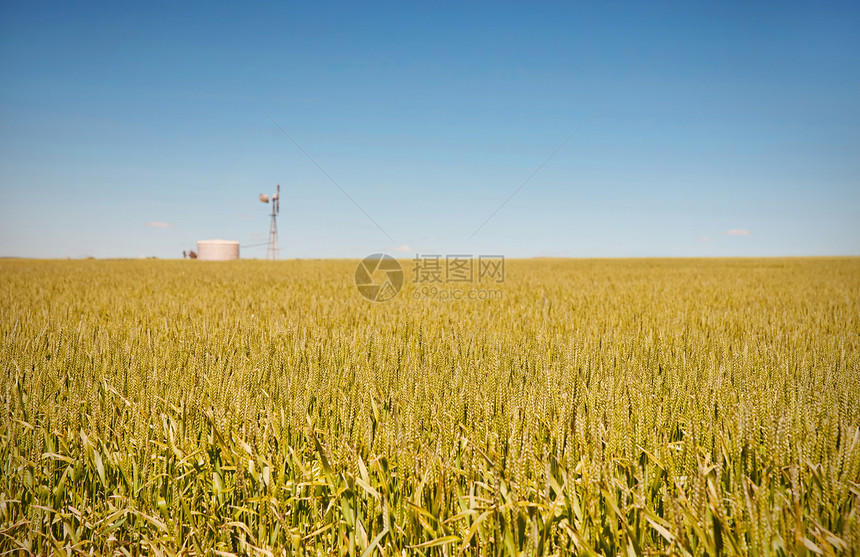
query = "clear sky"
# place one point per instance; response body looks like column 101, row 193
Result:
column 713, row 129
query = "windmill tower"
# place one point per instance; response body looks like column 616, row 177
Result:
column 272, row 252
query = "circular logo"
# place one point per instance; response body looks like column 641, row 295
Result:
column 379, row 277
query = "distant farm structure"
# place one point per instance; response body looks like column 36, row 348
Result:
column 217, row 250
column 272, row 252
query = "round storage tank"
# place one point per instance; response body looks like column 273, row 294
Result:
column 217, row 250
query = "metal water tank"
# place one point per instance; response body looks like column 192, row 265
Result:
column 217, row 250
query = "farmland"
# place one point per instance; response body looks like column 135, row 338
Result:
column 637, row 407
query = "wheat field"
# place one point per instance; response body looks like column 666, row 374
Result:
column 599, row 407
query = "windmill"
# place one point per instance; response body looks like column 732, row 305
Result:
column 272, row 253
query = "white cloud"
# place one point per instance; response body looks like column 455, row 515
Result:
column 704, row 238
column 159, row 224
column 402, row 249
column 738, row 232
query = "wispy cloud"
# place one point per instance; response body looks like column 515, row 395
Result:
column 704, row 238
column 402, row 249
column 159, row 224
column 738, row 232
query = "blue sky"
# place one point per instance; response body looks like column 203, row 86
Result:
column 720, row 129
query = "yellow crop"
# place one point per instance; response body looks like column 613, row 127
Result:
column 635, row 407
